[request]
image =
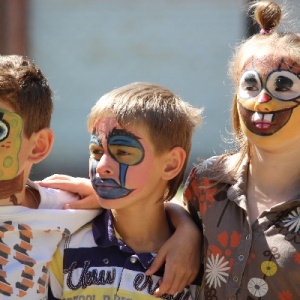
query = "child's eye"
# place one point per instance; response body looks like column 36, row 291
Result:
column 96, row 153
column 3, row 130
column 121, row 152
column 283, row 84
column 250, row 85
column 251, row 88
column 126, row 155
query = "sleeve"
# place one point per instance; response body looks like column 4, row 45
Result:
column 55, row 290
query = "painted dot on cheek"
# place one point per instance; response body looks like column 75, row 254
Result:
column 8, row 161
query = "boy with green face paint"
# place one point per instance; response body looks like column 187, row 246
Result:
column 28, row 237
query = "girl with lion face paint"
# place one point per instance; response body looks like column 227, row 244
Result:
column 250, row 199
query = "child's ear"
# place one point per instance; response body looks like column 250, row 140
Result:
column 174, row 163
column 42, row 144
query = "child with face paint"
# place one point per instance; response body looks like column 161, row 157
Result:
column 29, row 236
column 248, row 202
column 140, row 142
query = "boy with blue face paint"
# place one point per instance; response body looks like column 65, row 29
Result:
column 140, row 143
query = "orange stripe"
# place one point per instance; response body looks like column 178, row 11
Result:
column 28, row 270
column 27, row 233
column 4, row 248
column 6, row 288
column 28, row 283
column 24, row 258
column 25, row 245
column 22, row 293
column 3, row 261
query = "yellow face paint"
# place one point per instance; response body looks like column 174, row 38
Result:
column 10, row 143
column 268, row 100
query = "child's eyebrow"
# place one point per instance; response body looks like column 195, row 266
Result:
column 94, row 139
column 125, row 132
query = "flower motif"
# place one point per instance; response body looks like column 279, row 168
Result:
column 206, row 195
column 293, row 221
column 269, row 268
column 297, row 257
column 216, row 269
column 285, row 295
column 227, row 243
column 257, row 287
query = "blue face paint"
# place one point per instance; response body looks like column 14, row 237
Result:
column 107, row 188
column 125, row 148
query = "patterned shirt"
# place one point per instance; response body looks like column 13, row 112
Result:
column 95, row 263
column 28, row 240
column 243, row 260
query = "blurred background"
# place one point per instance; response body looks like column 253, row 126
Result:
column 86, row 48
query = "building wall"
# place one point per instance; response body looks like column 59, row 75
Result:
column 87, row 48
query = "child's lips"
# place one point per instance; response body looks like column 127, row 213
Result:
column 109, row 188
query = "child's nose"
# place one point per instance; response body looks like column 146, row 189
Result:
column 105, row 165
column 263, row 98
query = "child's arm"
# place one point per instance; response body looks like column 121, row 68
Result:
column 181, row 253
column 77, row 185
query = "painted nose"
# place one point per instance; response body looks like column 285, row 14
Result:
column 104, row 166
column 263, row 98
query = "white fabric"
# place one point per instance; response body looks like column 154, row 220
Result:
column 28, row 239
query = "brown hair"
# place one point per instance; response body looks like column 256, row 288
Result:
column 169, row 120
column 27, row 91
column 268, row 15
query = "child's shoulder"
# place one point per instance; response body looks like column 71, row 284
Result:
column 216, row 167
column 52, row 198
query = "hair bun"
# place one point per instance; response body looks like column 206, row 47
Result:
column 268, row 15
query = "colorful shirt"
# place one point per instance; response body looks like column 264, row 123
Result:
column 243, row 261
column 95, row 264
column 28, row 239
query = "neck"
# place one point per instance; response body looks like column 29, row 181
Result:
column 11, row 191
column 14, row 192
column 145, row 230
column 275, row 173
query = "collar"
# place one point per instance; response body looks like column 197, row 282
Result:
column 105, row 236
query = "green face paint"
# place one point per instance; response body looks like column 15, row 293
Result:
column 11, row 125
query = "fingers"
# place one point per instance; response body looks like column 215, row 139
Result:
column 158, row 262
column 85, row 203
column 175, row 279
column 76, row 185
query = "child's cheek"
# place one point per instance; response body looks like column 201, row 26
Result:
column 10, row 144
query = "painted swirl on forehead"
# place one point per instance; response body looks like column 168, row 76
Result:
column 284, row 63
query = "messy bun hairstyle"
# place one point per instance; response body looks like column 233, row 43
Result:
column 267, row 15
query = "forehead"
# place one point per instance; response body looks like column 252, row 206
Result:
column 265, row 64
column 105, row 126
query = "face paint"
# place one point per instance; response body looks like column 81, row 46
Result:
column 126, row 150
column 268, row 98
column 10, row 143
